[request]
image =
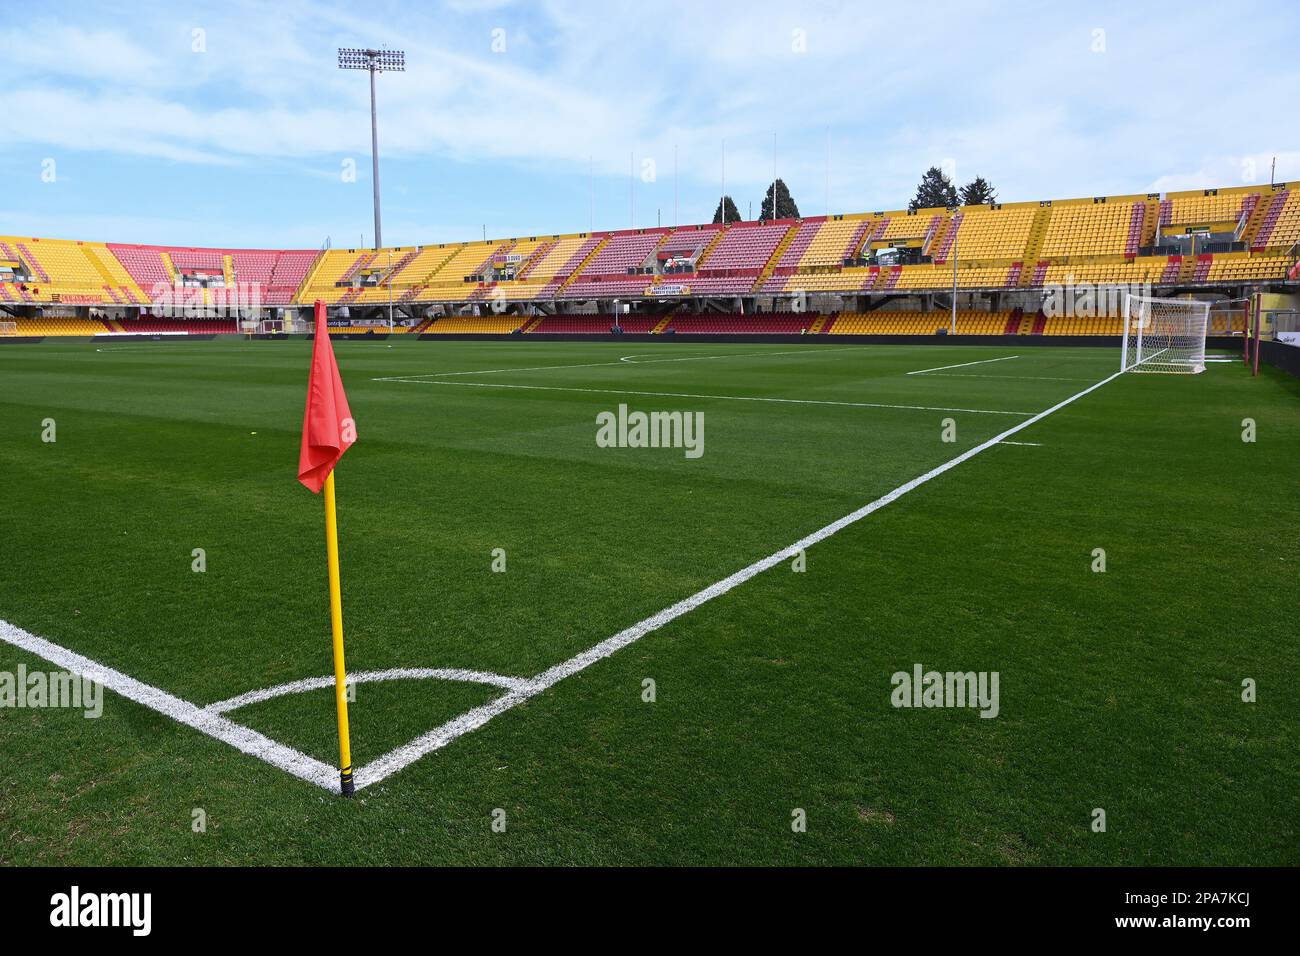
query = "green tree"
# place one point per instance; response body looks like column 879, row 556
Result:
column 785, row 207
column 733, row 214
column 978, row 192
column 934, row 191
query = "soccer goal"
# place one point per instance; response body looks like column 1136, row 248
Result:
column 8, row 328
column 1164, row 335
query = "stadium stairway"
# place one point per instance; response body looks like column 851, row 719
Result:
column 595, row 251
column 1037, row 231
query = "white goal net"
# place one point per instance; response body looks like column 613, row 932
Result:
column 8, row 328
column 1164, row 335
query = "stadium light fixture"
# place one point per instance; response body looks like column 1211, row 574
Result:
column 373, row 61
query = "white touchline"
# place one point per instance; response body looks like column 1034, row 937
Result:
column 210, row 721
column 213, row 724
column 720, row 398
column 922, row 371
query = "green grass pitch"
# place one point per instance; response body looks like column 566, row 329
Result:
column 1119, row 690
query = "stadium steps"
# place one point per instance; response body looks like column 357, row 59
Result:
column 708, row 249
column 770, row 266
column 945, row 245
column 540, row 253
column 228, row 269
column 1013, row 275
column 1270, row 213
column 98, row 265
column 663, row 323
column 33, row 263
column 820, row 324
column 309, row 279
column 595, row 251
column 1037, row 231
column 855, row 242
column 1136, row 221
column 114, row 325
column 532, row 323
column 1026, row 323
column 363, row 262
column 399, row 265
column 940, row 228
column 424, row 281
column 1013, row 322
column 168, row 265
column 1040, row 320
column 1151, row 213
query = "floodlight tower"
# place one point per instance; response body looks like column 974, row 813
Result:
column 375, row 61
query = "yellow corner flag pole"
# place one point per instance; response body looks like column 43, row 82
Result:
column 336, row 624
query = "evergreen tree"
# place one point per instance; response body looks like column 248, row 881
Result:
column 733, row 214
column 935, row 191
column 978, row 192
column 785, row 207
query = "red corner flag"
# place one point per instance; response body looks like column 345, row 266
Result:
column 328, row 429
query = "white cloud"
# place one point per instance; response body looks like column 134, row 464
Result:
column 1016, row 95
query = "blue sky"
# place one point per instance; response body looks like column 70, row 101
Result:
column 229, row 124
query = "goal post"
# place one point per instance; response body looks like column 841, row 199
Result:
column 8, row 327
column 1164, row 335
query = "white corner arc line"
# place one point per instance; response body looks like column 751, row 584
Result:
column 439, row 737
column 940, row 368
column 719, row 398
column 182, row 711
column 367, row 677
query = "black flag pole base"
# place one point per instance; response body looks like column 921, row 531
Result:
column 346, row 787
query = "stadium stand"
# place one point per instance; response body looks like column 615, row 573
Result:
column 1080, row 228
column 1252, row 231
column 984, row 233
column 772, row 323
column 476, row 324
column 744, row 247
column 593, row 324
column 835, row 241
column 152, row 325
column 886, row 322
column 60, row 325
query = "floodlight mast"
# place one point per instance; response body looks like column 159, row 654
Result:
column 373, row 61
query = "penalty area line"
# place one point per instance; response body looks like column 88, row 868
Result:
column 922, row 371
column 718, row 398
column 439, row 737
